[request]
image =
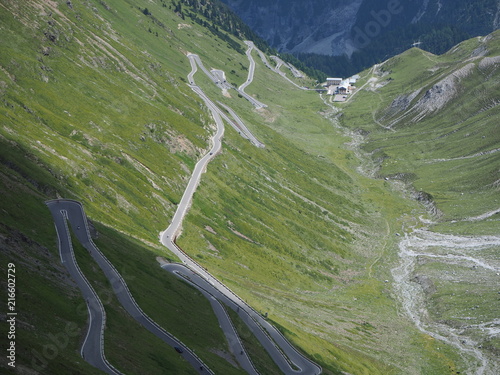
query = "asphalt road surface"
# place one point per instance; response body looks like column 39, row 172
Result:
column 92, row 350
column 235, row 344
column 240, row 126
column 237, row 124
column 296, row 73
column 283, row 353
column 251, row 71
column 251, row 68
column 93, row 346
column 216, row 77
column 279, row 348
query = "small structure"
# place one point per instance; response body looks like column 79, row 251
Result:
column 344, row 87
column 333, row 81
column 340, row 87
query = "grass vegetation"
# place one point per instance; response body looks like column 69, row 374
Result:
column 449, row 154
column 45, row 295
column 152, row 356
column 431, row 124
column 259, row 356
column 94, row 107
column 299, row 279
column 43, row 282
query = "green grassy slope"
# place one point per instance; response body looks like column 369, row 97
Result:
column 300, row 235
column 94, row 107
column 92, row 113
column 434, row 123
column 52, row 313
column 430, row 125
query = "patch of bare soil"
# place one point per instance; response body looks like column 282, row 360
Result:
column 268, row 116
column 210, row 229
column 442, row 92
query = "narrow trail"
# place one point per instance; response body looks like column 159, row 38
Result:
column 483, row 216
column 431, row 161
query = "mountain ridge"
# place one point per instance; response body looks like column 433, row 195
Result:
column 365, row 31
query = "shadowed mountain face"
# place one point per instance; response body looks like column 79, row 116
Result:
column 342, row 27
column 301, row 26
column 365, row 230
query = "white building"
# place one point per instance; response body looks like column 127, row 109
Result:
column 333, row 81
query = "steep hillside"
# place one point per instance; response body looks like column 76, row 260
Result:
column 301, row 26
column 430, row 125
column 95, row 107
column 438, row 117
column 98, row 104
column 336, row 28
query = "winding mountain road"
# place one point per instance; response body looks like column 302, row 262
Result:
column 235, row 345
column 251, row 68
column 278, row 347
column 240, row 126
column 237, row 124
column 276, row 69
column 289, row 360
column 251, row 71
column 93, row 346
column 64, row 210
column 217, row 77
